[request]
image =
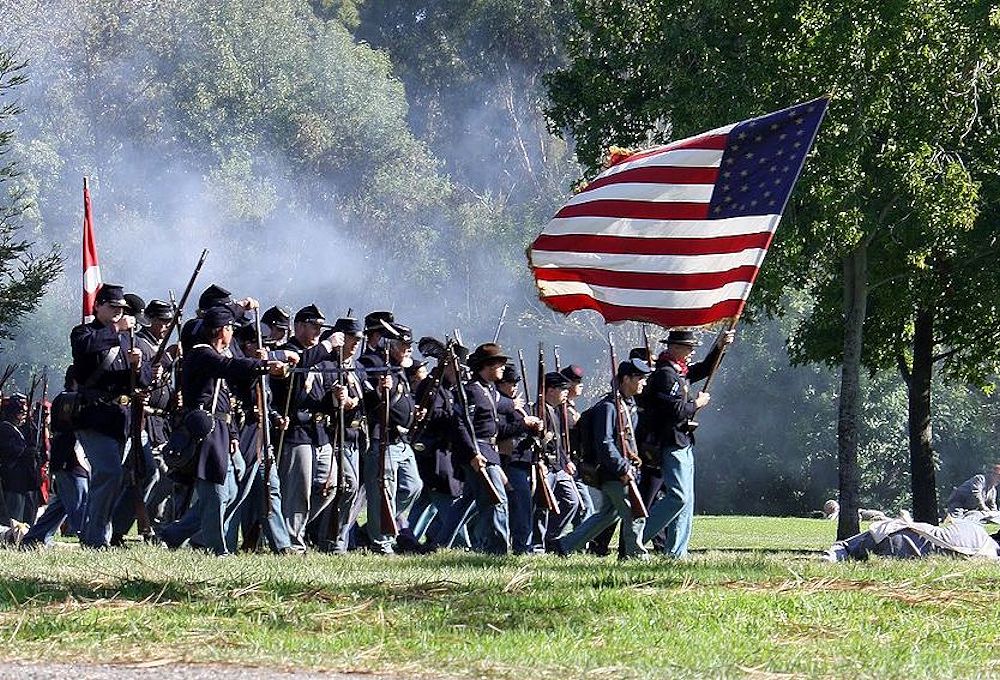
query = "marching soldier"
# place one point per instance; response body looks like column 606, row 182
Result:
column 476, row 446
column 549, row 527
column 207, row 399
column 571, row 413
column 516, row 461
column 442, row 488
column 614, row 468
column 104, row 367
column 334, row 525
column 667, row 423
column 18, row 461
column 401, row 477
column 306, row 460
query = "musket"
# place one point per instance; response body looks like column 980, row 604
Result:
column 264, row 451
column 387, row 514
column 178, row 310
column 626, row 438
column 648, row 344
column 564, row 408
column 544, row 491
column 41, row 430
column 339, row 441
column 503, row 315
column 136, row 462
column 463, row 402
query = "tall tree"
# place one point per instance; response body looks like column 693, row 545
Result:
column 24, row 275
column 649, row 70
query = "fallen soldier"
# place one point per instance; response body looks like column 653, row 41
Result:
column 905, row 539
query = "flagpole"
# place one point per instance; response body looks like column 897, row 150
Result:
column 83, row 248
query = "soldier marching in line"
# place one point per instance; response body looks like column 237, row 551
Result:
column 559, row 469
column 516, row 460
column 306, row 460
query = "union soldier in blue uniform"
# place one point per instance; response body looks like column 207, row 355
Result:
column 549, row 527
column 104, row 368
column 207, row 399
column 667, row 427
column 343, row 480
column 442, row 487
column 306, row 461
column 476, row 449
column 18, row 461
column 71, row 473
column 614, row 468
column 402, row 478
column 517, row 459
column 276, row 322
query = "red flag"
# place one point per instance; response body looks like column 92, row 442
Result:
column 91, row 268
column 675, row 235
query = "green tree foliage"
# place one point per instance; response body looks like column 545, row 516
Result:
column 891, row 182
column 24, row 274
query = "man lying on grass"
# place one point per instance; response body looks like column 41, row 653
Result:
column 905, row 539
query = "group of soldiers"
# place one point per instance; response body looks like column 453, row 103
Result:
column 292, row 432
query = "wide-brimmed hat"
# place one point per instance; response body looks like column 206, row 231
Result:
column 489, row 352
column 681, row 338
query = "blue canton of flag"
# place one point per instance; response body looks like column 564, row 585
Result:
column 762, row 160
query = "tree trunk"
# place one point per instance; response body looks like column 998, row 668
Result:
column 855, row 307
column 922, row 475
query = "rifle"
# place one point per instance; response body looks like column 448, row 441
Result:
column 263, row 444
column 626, row 438
column 648, row 344
column 463, row 402
column 175, row 322
column 503, row 315
column 544, row 491
column 41, row 436
column 339, row 441
column 564, row 407
column 136, row 468
column 387, row 515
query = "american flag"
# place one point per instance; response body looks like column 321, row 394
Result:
column 675, row 235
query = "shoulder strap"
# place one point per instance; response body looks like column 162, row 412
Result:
column 105, row 365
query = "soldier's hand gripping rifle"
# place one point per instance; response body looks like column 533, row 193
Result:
column 626, row 438
column 387, row 514
column 545, row 495
column 463, row 404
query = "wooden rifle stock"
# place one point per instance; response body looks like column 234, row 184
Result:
column 626, row 439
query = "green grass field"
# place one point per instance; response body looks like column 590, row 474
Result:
column 728, row 614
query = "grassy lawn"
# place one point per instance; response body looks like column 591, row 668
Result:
column 455, row 614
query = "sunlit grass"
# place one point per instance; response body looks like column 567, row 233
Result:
column 717, row 614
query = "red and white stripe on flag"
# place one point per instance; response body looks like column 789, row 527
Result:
column 675, row 235
column 91, row 267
